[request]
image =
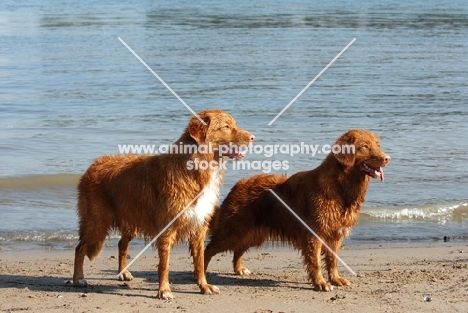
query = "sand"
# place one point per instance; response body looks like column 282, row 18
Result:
column 390, row 279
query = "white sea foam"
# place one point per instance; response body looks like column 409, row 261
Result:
column 438, row 213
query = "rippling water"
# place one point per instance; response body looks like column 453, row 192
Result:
column 70, row 92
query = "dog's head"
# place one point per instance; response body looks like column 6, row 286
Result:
column 361, row 149
column 219, row 129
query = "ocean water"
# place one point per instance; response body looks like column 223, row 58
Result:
column 70, row 91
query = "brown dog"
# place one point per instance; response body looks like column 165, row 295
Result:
column 142, row 194
column 327, row 198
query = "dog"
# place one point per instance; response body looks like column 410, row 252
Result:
column 142, row 194
column 328, row 198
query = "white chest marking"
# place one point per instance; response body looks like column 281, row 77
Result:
column 204, row 206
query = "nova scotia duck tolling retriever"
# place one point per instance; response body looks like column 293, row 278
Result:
column 327, row 198
column 140, row 195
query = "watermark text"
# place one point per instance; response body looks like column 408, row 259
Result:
column 267, row 150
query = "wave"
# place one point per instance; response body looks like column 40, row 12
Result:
column 435, row 213
column 35, row 182
column 402, row 224
column 322, row 19
column 46, row 235
column 325, row 19
column 42, row 235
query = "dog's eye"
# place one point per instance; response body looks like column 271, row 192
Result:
column 365, row 146
column 225, row 127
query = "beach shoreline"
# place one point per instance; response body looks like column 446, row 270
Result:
column 393, row 279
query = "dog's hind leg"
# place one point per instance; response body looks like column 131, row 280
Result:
column 214, row 247
column 196, row 249
column 78, row 275
column 90, row 248
column 94, row 223
column 127, row 235
column 164, row 250
column 210, row 252
column 239, row 269
column 219, row 243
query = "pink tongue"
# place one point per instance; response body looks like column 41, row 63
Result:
column 381, row 174
column 239, row 155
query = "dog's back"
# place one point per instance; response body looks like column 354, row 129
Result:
column 245, row 209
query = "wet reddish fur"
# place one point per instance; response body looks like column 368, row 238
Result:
column 142, row 194
column 327, row 198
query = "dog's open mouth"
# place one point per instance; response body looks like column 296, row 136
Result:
column 236, row 155
column 373, row 171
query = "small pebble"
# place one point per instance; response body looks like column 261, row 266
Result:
column 59, row 296
column 427, row 298
column 83, row 295
column 461, row 251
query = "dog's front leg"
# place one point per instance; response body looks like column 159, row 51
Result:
column 312, row 252
column 197, row 250
column 164, row 250
column 331, row 261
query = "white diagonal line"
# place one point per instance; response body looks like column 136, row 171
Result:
column 162, row 231
column 160, row 79
column 313, row 233
column 312, row 81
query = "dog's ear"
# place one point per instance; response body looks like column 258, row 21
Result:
column 344, row 149
column 196, row 129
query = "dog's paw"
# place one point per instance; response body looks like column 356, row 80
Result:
column 323, row 286
column 125, row 276
column 243, row 271
column 165, row 294
column 209, row 290
column 80, row 283
column 338, row 281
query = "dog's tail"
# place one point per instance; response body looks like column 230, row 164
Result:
column 94, row 216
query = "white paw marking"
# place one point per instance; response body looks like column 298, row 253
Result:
column 215, row 290
column 245, row 272
column 127, row 276
column 166, row 295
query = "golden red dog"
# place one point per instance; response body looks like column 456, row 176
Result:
column 328, row 198
column 142, row 194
